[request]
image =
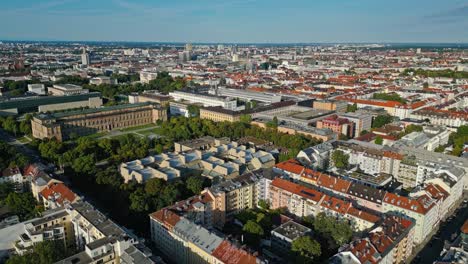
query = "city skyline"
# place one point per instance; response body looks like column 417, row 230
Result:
column 240, row 21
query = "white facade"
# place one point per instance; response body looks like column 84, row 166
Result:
column 206, row 100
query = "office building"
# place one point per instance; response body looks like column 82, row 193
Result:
column 37, row 88
column 85, row 58
column 205, row 99
column 21, row 105
column 66, row 89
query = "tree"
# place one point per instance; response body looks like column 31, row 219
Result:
column 195, row 184
column 10, row 125
column 340, row 159
column 139, row 201
column 352, row 108
column 193, row 110
column 22, row 204
column 245, row 118
column 264, row 204
column 46, row 252
column 252, row 227
column 84, row 164
column 382, row 120
column 306, row 247
column 338, row 230
column 154, row 186
column 378, row 140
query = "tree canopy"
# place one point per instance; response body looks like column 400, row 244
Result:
column 340, row 159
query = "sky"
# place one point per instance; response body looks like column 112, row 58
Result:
column 236, row 21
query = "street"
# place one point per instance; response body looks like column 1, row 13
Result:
column 434, row 247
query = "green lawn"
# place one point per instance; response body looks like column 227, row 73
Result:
column 137, row 127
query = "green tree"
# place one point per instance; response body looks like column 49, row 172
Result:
column 22, row 204
column 378, row 140
column 306, row 248
column 340, row 159
column 49, row 251
column 193, row 110
column 139, row 201
column 352, row 108
column 382, row 120
column 263, row 204
column 195, row 184
column 84, row 164
column 154, row 186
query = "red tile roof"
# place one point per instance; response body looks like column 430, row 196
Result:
column 168, row 218
column 421, row 205
column 228, row 253
column 297, row 189
column 291, row 165
column 60, row 192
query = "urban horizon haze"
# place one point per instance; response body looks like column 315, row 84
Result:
column 236, row 21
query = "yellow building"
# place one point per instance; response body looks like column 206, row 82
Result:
column 84, row 122
column 219, row 114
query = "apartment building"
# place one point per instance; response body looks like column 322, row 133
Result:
column 426, row 208
column 88, row 121
column 57, row 195
column 441, row 117
column 147, row 76
column 342, row 126
column 53, row 225
column 372, row 161
column 303, row 201
column 391, row 242
column 183, row 232
column 362, row 122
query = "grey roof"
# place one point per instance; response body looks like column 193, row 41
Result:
column 200, row 236
column 291, row 230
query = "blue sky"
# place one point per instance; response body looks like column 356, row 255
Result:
column 254, row 21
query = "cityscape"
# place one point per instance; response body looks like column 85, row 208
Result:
column 212, row 144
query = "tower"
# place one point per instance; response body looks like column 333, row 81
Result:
column 84, row 57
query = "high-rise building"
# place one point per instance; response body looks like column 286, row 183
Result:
column 188, row 47
column 85, row 57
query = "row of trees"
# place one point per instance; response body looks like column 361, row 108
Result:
column 10, row 125
column 437, row 73
column 389, row 97
column 163, row 83
column 181, row 128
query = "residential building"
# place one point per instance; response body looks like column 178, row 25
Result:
column 342, row 126
column 283, row 236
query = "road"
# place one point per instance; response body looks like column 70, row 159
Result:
column 434, row 247
column 19, row 146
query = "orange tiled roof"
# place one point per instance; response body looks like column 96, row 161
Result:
column 228, row 253
column 297, row 189
column 421, row 205
column 64, row 194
